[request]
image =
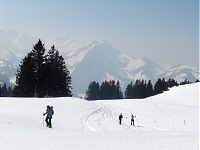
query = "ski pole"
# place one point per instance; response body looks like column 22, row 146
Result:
column 137, row 121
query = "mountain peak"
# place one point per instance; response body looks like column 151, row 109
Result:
column 102, row 41
column 12, row 34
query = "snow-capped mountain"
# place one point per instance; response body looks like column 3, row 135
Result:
column 13, row 47
column 94, row 61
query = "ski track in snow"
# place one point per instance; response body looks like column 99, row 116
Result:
column 85, row 119
column 107, row 112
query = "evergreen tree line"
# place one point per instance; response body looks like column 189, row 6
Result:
column 140, row 89
column 42, row 75
column 6, row 91
column 107, row 90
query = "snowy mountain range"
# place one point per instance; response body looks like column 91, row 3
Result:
column 94, row 61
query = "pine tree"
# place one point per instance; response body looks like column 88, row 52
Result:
column 10, row 91
column 0, row 91
column 93, row 91
column 128, row 94
column 57, row 79
column 117, row 93
column 107, row 90
column 139, row 89
column 143, row 89
column 160, row 86
column 164, row 86
column 171, row 83
column 25, row 78
column 104, row 90
column 29, row 77
column 149, row 89
column 63, row 76
column 38, row 67
column 42, row 75
column 157, row 87
column 4, row 90
column 185, row 82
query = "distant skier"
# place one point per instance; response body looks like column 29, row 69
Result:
column 49, row 113
column 132, row 119
column 120, row 118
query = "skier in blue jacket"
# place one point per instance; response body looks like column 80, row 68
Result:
column 49, row 113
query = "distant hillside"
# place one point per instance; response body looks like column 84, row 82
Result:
column 93, row 61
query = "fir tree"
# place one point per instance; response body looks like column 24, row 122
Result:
column 104, row 90
column 63, row 76
column 149, row 89
column 30, row 74
column 93, row 91
column 4, row 90
column 171, row 83
column 57, row 79
column 38, row 68
column 10, row 91
column 117, row 93
column 184, row 82
column 164, row 86
column 25, row 78
column 128, row 94
column 42, row 75
column 160, row 86
column 140, row 89
column 110, row 90
column 157, row 87
column 0, row 91
column 107, row 90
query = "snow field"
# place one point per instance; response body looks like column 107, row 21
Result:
column 166, row 121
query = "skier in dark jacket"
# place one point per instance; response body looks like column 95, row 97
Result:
column 120, row 118
column 49, row 113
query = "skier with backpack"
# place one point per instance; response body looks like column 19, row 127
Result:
column 49, row 113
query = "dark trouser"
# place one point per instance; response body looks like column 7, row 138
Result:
column 120, row 121
column 48, row 121
column 132, row 122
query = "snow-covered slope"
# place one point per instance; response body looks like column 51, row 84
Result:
column 166, row 121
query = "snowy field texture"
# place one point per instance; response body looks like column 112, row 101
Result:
column 169, row 121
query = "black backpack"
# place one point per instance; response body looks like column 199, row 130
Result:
column 52, row 110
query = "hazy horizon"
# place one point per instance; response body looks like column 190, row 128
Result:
column 167, row 32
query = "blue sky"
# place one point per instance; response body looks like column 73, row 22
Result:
column 166, row 31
